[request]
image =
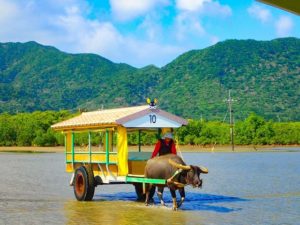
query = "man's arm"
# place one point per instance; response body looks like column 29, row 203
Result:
column 173, row 149
column 156, row 149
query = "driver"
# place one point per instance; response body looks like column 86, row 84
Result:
column 165, row 146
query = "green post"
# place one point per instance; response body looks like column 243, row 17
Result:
column 107, row 146
column 159, row 133
column 139, row 140
column 72, row 147
column 66, row 146
column 90, row 149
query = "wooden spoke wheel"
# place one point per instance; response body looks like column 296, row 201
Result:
column 84, row 183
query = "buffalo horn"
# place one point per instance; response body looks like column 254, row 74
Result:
column 180, row 166
column 203, row 169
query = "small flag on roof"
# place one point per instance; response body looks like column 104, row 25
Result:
column 152, row 104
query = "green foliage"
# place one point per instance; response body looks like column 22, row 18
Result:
column 45, row 139
column 146, row 138
column 254, row 130
column 33, row 129
column 199, row 132
column 8, row 134
column 286, row 133
column 263, row 76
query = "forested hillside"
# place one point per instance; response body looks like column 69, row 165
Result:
column 263, row 76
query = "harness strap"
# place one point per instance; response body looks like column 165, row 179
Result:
column 171, row 181
column 180, row 185
column 176, row 173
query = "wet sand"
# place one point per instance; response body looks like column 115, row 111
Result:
column 32, row 149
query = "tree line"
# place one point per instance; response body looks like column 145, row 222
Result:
column 33, row 129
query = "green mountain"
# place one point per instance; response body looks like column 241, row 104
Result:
column 263, row 76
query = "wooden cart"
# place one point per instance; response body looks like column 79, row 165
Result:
column 111, row 163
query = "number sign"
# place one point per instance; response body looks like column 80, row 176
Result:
column 152, row 118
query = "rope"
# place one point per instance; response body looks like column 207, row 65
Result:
column 171, row 181
column 178, row 148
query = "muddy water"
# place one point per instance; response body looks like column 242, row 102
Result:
column 241, row 188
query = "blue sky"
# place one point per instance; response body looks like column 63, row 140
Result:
column 141, row 32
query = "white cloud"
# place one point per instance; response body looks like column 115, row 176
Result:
column 151, row 27
column 190, row 5
column 139, row 52
column 16, row 21
column 27, row 20
column 163, row 29
column 63, row 25
column 189, row 20
column 216, row 9
column 260, row 13
column 66, row 26
column 187, row 25
column 283, row 26
column 90, row 36
column 7, row 10
column 130, row 9
column 204, row 7
column 83, row 35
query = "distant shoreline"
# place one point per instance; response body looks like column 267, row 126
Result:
column 183, row 148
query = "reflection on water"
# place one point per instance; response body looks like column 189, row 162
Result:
column 125, row 213
column 121, row 208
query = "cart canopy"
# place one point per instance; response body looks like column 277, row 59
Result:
column 129, row 117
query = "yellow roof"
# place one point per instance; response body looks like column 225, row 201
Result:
column 98, row 118
column 128, row 117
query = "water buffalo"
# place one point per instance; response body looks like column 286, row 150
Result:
column 172, row 168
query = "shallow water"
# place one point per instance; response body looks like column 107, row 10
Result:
column 241, row 188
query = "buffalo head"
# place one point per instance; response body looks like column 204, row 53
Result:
column 190, row 173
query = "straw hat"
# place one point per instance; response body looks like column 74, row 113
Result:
column 167, row 135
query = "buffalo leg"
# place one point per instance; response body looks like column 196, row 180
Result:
column 151, row 193
column 148, row 189
column 182, row 195
column 160, row 191
column 173, row 193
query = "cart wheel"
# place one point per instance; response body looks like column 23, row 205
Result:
column 84, row 185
